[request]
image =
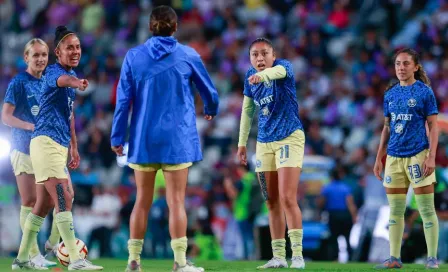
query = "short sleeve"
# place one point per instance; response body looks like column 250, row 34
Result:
column 13, row 92
column 247, row 90
column 288, row 67
column 386, row 107
column 430, row 104
column 52, row 75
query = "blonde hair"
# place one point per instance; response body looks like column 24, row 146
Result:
column 32, row 42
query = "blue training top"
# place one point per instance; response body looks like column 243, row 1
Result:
column 279, row 111
column 408, row 107
column 23, row 92
column 56, row 107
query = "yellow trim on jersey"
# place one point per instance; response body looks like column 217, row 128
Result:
column 247, row 116
column 276, row 72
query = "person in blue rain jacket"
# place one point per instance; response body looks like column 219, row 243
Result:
column 156, row 80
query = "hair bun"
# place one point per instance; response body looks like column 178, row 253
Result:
column 60, row 29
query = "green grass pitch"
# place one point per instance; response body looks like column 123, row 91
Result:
column 114, row 265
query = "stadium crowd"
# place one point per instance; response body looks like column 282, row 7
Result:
column 340, row 51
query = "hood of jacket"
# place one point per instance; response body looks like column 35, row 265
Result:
column 159, row 47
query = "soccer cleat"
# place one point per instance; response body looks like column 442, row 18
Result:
column 297, row 262
column 133, row 266
column 432, row 263
column 41, row 261
column 189, row 267
column 274, row 263
column 83, row 264
column 49, row 248
column 391, row 263
column 27, row 265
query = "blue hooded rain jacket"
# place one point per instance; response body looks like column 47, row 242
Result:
column 156, row 76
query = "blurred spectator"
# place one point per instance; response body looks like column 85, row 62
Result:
column 337, row 200
column 239, row 191
column 105, row 208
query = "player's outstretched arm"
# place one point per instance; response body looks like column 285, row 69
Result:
column 123, row 101
column 247, row 117
column 268, row 74
column 382, row 149
column 205, row 86
column 72, row 82
column 10, row 120
column 430, row 162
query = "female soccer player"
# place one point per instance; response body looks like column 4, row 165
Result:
column 408, row 106
column 19, row 112
column 270, row 85
column 53, row 134
column 156, row 77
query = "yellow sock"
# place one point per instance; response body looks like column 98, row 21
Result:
column 135, row 247
column 55, row 236
column 296, row 236
column 179, row 247
column 64, row 220
column 279, row 248
column 397, row 203
column 24, row 211
column 31, row 228
column 430, row 222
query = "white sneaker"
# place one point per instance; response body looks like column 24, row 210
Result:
column 27, row 265
column 297, row 262
column 189, row 267
column 274, row 263
column 83, row 264
column 50, row 248
column 40, row 260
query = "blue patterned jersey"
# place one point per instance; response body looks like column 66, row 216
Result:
column 56, row 107
column 277, row 102
column 22, row 93
column 408, row 107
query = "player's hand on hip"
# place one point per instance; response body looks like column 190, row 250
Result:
column 254, row 79
column 208, row 117
column 118, row 150
column 74, row 158
column 428, row 166
column 378, row 169
column 242, row 155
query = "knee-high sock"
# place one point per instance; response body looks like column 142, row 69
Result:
column 430, row 222
column 67, row 231
column 179, row 247
column 135, row 247
column 279, row 248
column 24, row 211
column 397, row 203
column 31, row 228
column 296, row 237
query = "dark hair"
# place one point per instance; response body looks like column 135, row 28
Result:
column 420, row 74
column 163, row 21
column 60, row 34
column 261, row 40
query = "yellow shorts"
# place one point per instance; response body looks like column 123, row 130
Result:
column 49, row 159
column 401, row 172
column 21, row 163
column 153, row 167
column 284, row 153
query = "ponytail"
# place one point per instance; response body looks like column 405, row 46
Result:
column 422, row 76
